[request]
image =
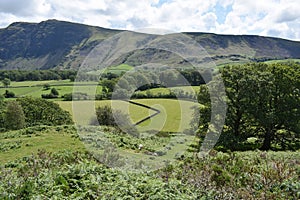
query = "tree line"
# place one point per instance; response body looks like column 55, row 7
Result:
column 41, row 75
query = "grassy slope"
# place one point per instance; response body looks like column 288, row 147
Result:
column 17, row 144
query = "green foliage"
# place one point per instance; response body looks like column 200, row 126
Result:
column 49, row 96
column 6, row 82
column 14, row 117
column 2, row 114
column 263, row 102
column 116, row 118
column 108, row 85
column 46, row 86
column 9, row 94
column 246, row 175
column 69, row 175
column 39, row 111
column 76, row 96
column 53, row 94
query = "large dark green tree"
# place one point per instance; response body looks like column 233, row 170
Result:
column 275, row 103
column 263, row 102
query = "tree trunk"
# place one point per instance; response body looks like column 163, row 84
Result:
column 267, row 140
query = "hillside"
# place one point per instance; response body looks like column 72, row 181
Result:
column 59, row 44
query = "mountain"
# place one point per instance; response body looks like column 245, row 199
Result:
column 59, row 44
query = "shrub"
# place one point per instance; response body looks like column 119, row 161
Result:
column 14, row 117
column 46, row 86
column 53, row 94
column 9, row 94
column 106, row 116
column 76, row 96
column 42, row 112
column 49, row 96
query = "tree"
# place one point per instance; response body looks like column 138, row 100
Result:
column 236, row 81
column 108, row 85
column 2, row 112
column 40, row 111
column 46, row 86
column 14, row 116
column 6, row 82
column 54, row 92
column 118, row 119
column 275, row 104
column 9, row 94
column 263, row 102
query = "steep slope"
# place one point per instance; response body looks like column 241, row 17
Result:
column 47, row 44
column 59, row 44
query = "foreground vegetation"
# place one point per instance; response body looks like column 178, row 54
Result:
column 74, row 173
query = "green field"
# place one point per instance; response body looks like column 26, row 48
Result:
column 35, row 88
column 84, row 110
column 281, row 61
column 175, row 115
column 164, row 91
column 119, row 69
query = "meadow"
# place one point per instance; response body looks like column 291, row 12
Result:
column 174, row 116
column 36, row 88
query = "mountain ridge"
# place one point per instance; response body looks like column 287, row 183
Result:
column 64, row 45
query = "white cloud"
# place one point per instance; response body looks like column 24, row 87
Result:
column 269, row 17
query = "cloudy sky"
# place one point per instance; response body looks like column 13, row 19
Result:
column 279, row 18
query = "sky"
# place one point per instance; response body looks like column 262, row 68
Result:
column 276, row 18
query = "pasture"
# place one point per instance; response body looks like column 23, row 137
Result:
column 174, row 115
column 36, row 88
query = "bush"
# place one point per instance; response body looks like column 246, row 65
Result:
column 14, row 117
column 53, row 94
column 105, row 116
column 49, row 96
column 75, row 96
column 42, row 112
column 9, row 94
column 46, row 86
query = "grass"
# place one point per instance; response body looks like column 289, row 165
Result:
column 157, row 91
column 119, row 69
column 35, row 88
column 84, row 111
column 281, row 61
column 175, row 115
column 22, row 143
column 52, row 139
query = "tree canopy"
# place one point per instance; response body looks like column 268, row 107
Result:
column 263, row 102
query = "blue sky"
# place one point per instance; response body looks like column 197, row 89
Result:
column 278, row 18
